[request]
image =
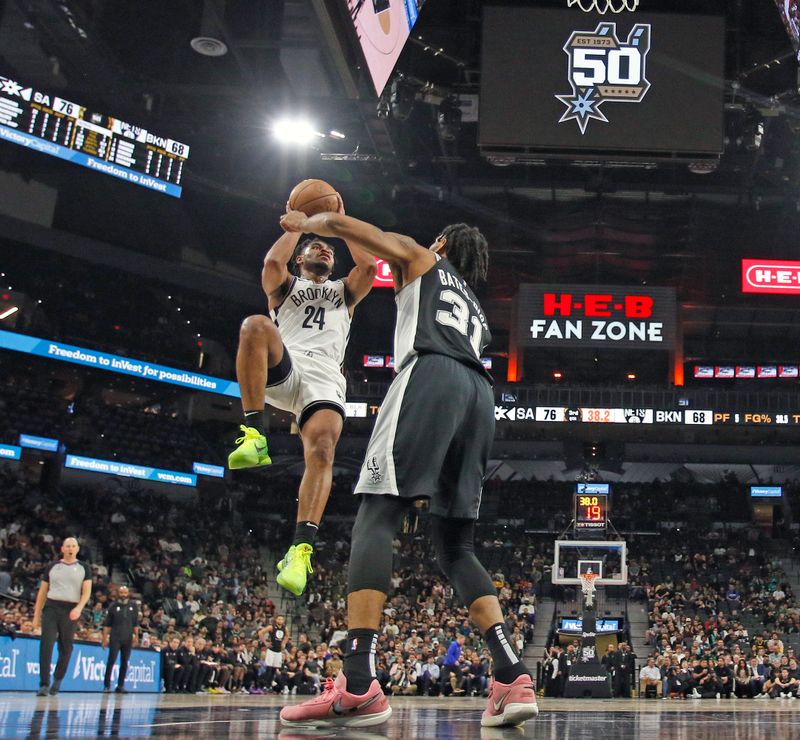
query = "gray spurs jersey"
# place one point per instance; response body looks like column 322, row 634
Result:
column 437, row 313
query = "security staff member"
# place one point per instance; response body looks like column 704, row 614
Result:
column 120, row 632
column 624, row 666
column 65, row 589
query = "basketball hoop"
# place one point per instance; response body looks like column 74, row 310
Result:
column 588, row 586
column 604, row 6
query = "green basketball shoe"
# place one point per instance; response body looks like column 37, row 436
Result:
column 252, row 451
column 293, row 570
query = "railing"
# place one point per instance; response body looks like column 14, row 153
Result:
column 729, row 399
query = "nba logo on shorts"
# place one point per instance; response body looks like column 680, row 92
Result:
column 602, row 69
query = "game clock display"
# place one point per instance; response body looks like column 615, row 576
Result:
column 49, row 124
column 591, row 511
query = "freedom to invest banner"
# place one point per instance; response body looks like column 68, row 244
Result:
column 116, row 363
column 130, row 470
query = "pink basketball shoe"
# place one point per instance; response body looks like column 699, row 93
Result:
column 337, row 707
column 510, row 703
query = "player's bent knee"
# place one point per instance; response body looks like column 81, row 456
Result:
column 321, row 451
column 257, row 326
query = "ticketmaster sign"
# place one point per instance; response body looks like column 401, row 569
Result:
column 19, row 667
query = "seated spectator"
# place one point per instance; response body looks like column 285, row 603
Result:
column 679, row 680
column 784, row 686
column 650, row 676
column 428, row 679
column 744, row 677
column 403, row 679
column 709, row 686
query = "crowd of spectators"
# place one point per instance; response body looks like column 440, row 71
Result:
column 423, row 616
column 548, row 505
column 200, row 566
column 719, row 604
column 197, row 567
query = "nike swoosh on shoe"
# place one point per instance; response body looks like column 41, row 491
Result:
column 336, row 707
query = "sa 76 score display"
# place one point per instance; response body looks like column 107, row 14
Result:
column 38, row 120
column 591, row 511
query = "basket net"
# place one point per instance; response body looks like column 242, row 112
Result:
column 604, row 6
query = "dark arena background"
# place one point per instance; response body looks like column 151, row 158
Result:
column 635, row 167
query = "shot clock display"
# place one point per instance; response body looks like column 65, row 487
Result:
column 591, row 510
column 38, row 120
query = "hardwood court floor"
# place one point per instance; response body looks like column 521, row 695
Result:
column 74, row 715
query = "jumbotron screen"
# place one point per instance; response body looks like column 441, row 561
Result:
column 382, row 28
column 52, row 125
column 790, row 15
column 627, row 83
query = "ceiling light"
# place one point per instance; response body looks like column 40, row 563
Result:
column 8, row 312
column 337, row 134
column 209, row 46
column 294, row 131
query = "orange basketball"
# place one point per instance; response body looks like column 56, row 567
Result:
column 313, row 196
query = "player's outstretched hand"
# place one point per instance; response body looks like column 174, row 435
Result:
column 293, row 221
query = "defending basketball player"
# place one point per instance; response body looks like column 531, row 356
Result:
column 296, row 355
column 431, row 440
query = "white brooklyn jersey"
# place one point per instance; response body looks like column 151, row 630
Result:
column 314, row 318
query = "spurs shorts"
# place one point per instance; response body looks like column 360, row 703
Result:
column 274, row 659
column 432, row 437
column 305, row 382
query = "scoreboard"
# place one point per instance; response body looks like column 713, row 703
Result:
column 68, row 130
column 675, row 417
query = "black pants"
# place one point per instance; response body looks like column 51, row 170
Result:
column 622, row 684
column 172, row 675
column 116, row 647
column 56, row 626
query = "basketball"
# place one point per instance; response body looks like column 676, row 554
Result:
column 314, row 196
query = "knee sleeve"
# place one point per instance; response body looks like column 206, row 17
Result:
column 378, row 519
column 453, row 542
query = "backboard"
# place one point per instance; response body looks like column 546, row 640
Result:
column 607, row 558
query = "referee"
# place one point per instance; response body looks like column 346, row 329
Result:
column 120, row 631
column 65, row 590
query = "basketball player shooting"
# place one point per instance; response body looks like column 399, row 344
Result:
column 296, row 355
column 431, row 440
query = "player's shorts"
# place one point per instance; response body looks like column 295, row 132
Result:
column 306, row 382
column 274, row 659
column 432, row 437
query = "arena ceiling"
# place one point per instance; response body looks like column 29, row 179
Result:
column 552, row 221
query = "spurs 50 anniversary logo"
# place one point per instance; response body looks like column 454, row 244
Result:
column 602, row 69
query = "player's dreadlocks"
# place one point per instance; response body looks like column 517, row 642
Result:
column 468, row 251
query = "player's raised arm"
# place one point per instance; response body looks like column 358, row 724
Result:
column 401, row 252
column 360, row 279
column 275, row 273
